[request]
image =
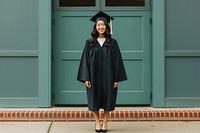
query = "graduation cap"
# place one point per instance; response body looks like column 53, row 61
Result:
column 103, row 16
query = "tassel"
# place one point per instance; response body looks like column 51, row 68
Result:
column 111, row 30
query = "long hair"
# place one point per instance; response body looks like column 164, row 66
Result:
column 95, row 34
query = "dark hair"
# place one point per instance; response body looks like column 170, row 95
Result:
column 95, row 34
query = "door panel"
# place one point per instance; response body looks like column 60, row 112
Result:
column 131, row 29
column 71, row 32
column 68, row 89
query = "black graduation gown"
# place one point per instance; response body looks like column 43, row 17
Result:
column 102, row 66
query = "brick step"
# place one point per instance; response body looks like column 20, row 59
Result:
column 85, row 116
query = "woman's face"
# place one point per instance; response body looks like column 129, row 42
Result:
column 101, row 27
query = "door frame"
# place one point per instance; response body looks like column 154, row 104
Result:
column 158, row 59
column 150, row 43
column 44, row 58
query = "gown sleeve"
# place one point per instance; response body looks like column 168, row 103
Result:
column 119, row 73
column 83, row 71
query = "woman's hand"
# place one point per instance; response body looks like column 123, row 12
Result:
column 88, row 84
column 115, row 85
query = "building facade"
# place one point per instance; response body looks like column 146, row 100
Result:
column 41, row 42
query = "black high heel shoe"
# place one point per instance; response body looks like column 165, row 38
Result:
column 104, row 130
column 97, row 130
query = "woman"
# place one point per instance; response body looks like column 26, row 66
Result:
column 101, row 68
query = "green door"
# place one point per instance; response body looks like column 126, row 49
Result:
column 131, row 28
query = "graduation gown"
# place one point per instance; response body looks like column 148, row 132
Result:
column 102, row 66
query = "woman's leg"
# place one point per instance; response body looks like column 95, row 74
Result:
column 105, row 121
column 97, row 121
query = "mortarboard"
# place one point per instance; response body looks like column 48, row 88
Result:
column 103, row 16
